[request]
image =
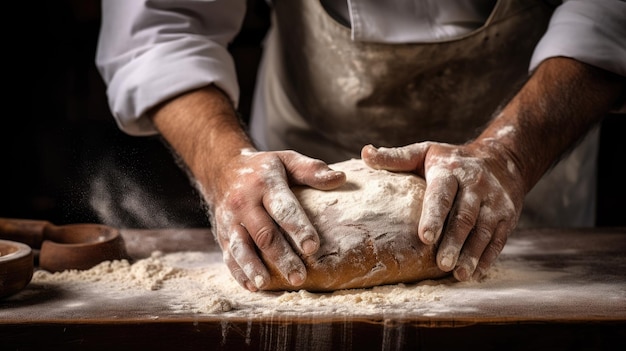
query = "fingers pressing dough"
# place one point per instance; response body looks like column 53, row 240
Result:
column 368, row 232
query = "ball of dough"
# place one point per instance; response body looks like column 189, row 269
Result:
column 368, row 232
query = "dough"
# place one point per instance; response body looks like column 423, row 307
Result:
column 368, row 232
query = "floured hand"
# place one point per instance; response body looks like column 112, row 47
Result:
column 252, row 199
column 248, row 192
column 473, row 199
column 475, row 192
column 368, row 232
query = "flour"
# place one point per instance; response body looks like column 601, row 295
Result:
column 380, row 192
column 367, row 229
column 187, row 280
column 198, row 283
column 177, row 284
column 148, row 273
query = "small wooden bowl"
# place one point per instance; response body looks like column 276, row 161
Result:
column 80, row 246
column 16, row 267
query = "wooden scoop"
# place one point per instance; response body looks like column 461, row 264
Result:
column 63, row 247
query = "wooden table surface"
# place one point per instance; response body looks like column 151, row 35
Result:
column 578, row 303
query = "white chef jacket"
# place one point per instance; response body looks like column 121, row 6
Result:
column 152, row 50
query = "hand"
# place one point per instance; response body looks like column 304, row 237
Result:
column 474, row 192
column 254, row 213
column 254, row 209
column 473, row 199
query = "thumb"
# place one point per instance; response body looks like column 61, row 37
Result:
column 408, row 158
column 303, row 170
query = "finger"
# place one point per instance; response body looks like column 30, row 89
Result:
column 285, row 209
column 473, row 249
column 315, row 173
column 461, row 220
column 275, row 248
column 493, row 250
column 237, row 272
column 441, row 189
column 406, row 158
column 243, row 261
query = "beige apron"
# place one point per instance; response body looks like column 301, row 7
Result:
column 325, row 95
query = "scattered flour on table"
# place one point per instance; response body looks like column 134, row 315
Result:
column 199, row 282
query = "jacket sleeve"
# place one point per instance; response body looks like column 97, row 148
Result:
column 152, row 50
column 591, row 31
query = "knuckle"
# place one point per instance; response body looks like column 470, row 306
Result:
column 435, row 210
column 446, row 200
column 236, row 200
column 283, row 210
column 314, row 165
column 236, row 248
column 482, row 234
column 497, row 244
column 444, row 197
column 463, row 219
column 289, row 153
column 273, row 162
column 264, row 237
column 228, row 258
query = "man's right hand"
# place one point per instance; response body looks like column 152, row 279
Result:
column 255, row 211
column 254, row 214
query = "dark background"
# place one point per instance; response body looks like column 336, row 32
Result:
column 63, row 159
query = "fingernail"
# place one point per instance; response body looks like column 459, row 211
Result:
column 309, row 247
column 429, row 236
column 367, row 149
column 337, row 174
column 461, row 274
column 259, row 281
column 296, row 278
column 447, row 262
column 251, row 286
column 479, row 274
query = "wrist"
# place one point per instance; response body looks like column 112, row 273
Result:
column 558, row 105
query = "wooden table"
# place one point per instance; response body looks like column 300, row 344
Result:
column 581, row 306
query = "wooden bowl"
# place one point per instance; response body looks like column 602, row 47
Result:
column 16, row 267
column 80, row 246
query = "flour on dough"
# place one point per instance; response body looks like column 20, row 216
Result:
column 368, row 230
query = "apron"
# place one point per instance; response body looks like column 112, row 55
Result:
column 324, row 95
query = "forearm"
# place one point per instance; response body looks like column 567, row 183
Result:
column 255, row 217
column 561, row 101
column 203, row 129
